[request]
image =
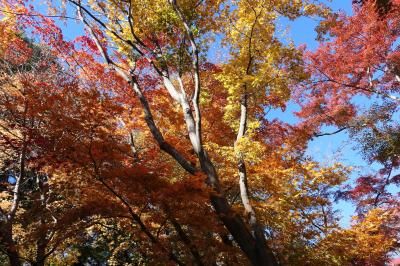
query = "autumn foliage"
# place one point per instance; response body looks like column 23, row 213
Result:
column 126, row 143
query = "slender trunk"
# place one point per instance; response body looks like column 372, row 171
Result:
column 41, row 243
column 40, row 252
column 6, row 230
column 186, row 240
column 38, row 263
column 18, row 181
column 257, row 254
column 244, row 190
column 13, row 257
column 256, row 228
column 9, row 245
column 165, row 146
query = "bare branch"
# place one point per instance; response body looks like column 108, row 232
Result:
column 37, row 15
column 21, row 176
column 186, row 240
column 165, row 146
column 330, row 133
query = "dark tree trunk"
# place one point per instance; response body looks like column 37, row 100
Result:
column 257, row 251
column 10, row 247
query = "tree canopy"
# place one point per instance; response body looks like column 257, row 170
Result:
column 129, row 144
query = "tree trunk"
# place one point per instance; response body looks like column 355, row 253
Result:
column 10, row 247
column 41, row 245
column 38, row 263
column 14, row 258
column 258, row 253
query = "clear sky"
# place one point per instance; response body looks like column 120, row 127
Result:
column 326, row 148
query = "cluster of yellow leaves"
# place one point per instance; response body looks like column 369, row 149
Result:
column 6, row 36
column 296, row 203
column 248, row 147
column 8, row 25
column 259, row 64
column 302, row 184
column 366, row 242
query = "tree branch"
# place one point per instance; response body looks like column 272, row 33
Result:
column 165, row 146
column 329, row 133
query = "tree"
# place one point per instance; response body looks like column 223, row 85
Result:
column 170, row 159
column 180, row 31
column 358, row 59
column 382, row 6
column 37, row 217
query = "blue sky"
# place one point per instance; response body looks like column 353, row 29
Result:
column 327, row 148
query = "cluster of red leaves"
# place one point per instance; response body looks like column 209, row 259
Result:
column 356, row 60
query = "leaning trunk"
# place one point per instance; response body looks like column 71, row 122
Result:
column 257, row 252
column 14, row 258
column 10, row 247
column 256, row 228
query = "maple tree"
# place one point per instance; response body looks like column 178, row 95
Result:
column 36, row 220
column 359, row 59
column 126, row 145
